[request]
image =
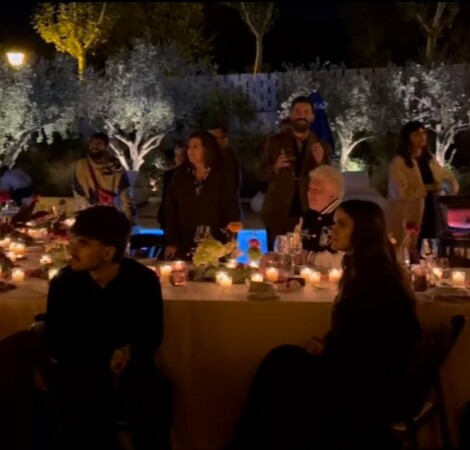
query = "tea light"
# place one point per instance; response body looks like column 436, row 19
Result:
column 178, row 266
column 5, row 243
column 232, row 264
column 272, row 274
column 17, row 275
column 226, row 282
column 52, row 273
column 165, row 272
column 305, row 272
column 437, row 273
column 219, row 276
column 20, row 249
column 257, row 278
column 69, row 222
column 152, row 268
column 334, row 275
column 314, row 278
column 458, row 279
column 45, row 260
column 11, row 256
column 254, row 264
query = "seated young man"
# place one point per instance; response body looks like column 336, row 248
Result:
column 104, row 323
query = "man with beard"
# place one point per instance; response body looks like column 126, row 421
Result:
column 100, row 179
column 286, row 162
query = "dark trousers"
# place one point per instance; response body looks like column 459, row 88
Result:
column 292, row 405
column 87, row 406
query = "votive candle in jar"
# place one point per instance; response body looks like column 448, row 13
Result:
column 458, row 278
column 52, row 273
column 226, row 282
column 219, row 276
column 314, row 278
column 437, row 271
column 334, row 275
column 272, row 274
column 11, row 256
column 165, row 272
column 17, row 275
column 232, row 264
column 305, row 272
column 257, row 278
column 45, row 260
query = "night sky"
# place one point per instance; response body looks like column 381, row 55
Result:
column 301, row 33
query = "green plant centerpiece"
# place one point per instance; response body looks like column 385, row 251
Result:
column 208, row 255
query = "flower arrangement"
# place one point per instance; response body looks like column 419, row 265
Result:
column 209, row 250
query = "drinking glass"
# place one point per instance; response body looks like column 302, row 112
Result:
column 202, row 232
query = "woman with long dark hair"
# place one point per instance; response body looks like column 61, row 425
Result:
column 416, row 179
column 347, row 393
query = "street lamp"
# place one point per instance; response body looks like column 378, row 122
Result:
column 16, row 59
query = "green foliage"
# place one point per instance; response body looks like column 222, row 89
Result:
column 161, row 23
column 221, row 105
column 76, row 28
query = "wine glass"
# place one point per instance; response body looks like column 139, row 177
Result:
column 294, row 247
column 429, row 249
column 202, row 232
column 281, row 245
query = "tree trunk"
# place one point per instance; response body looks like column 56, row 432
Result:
column 259, row 55
column 431, row 42
column 81, row 64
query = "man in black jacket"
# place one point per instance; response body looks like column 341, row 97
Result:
column 104, row 323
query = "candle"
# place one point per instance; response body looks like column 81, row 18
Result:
column 226, row 282
column 437, row 273
column 165, row 272
column 272, row 274
column 45, row 260
column 219, row 276
column 257, row 278
column 152, row 268
column 254, row 264
column 334, row 275
column 52, row 273
column 458, row 279
column 232, row 264
column 314, row 278
column 6, row 242
column 178, row 266
column 17, row 275
column 305, row 272
column 19, row 249
column 11, row 256
column 69, row 222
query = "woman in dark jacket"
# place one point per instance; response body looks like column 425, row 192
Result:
column 344, row 392
column 201, row 193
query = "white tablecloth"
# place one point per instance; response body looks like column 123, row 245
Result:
column 214, row 341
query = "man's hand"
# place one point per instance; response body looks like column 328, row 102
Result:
column 119, row 360
column 314, row 346
column 170, row 252
column 282, row 162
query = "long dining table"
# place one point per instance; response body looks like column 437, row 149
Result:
column 214, row 340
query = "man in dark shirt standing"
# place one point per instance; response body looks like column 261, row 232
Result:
column 104, row 323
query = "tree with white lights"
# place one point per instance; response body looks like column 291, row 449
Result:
column 436, row 96
column 132, row 101
column 36, row 101
column 351, row 109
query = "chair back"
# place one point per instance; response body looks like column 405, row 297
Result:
column 433, row 352
column 146, row 245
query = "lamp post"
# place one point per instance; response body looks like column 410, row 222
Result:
column 16, row 59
